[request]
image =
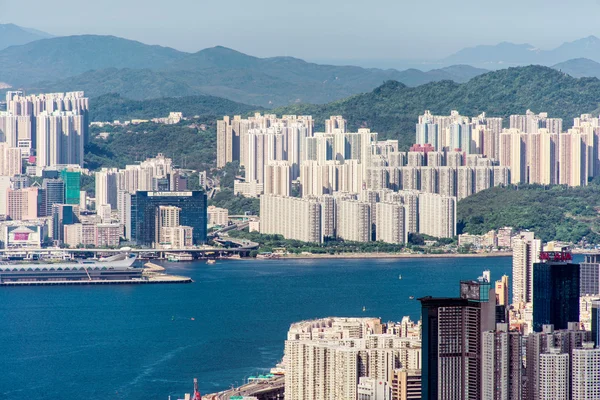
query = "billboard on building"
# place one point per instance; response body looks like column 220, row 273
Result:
column 24, row 236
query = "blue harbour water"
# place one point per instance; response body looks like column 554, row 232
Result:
column 140, row 342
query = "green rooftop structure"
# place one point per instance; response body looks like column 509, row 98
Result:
column 72, row 182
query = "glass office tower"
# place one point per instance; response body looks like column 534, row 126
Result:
column 142, row 223
column 555, row 291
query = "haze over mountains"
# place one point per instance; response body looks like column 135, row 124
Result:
column 108, row 64
column 13, row 35
column 506, row 54
column 105, row 64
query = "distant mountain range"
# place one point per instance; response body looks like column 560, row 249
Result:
column 579, row 68
column 106, row 64
column 13, row 35
column 506, row 54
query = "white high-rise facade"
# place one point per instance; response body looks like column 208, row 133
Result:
column 437, row 215
column 391, row 223
column 554, row 375
column 585, row 373
column 501, row 364
column 526, row 251
column 59, row 138
column 354, row 220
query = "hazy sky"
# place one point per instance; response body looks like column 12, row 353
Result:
column 317, row 29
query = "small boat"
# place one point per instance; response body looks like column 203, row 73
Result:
column 364, row 308
column 411, row 298
column 400, row 277
column 192, row 319
column 211, row 261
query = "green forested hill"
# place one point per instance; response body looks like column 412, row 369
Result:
column 554, row 213
column 393, row 108
column 191, row 144
column 113, row 106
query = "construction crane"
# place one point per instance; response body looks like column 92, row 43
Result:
column 197, row 395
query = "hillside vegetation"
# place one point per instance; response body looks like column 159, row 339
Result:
column 190, row 144
column 393, row 108
column 111, row 107
column 553, row 213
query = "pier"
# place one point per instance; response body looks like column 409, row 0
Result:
column 152, row 274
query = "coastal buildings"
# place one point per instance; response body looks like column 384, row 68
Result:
column 294, row 218
column 92, row 235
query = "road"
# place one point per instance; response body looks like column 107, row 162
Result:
column 271, row 389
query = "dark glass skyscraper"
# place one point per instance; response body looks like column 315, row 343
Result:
column 555, row 291
column 451, row 341
column 143, row 214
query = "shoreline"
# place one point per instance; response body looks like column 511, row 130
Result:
column 389, row 255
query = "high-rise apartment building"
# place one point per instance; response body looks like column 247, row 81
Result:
column 22, row 204
column 294, row 218
column 107, row 187
column 278, row 178
column 585, row 373
column 10, row 160
column 501, row 364
column 526, row 252
column 391, row 223
column 539, row 343
column 554, row 375
column 406, row 384
column 437, row 215
column 502, row 291
column 555, row 290
column 354, row 221
column 60, row 137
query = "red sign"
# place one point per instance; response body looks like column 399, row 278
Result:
column 560, row 256
column 22, row 236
